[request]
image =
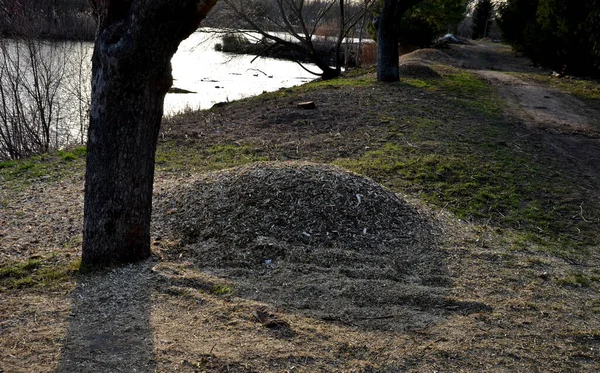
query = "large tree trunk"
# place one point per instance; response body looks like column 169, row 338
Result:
column 387, row 38
column 387, row 43
column 131, row 73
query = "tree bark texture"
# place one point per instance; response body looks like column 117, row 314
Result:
column 392, row 12
column 131, row 73
column 387, row 43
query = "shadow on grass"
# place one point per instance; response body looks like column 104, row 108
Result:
column 109, row 325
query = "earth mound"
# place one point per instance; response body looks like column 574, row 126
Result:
column 413, row 69
column 427, row 55
column 313, row 238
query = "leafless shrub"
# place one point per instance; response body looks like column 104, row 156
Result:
column 64, row 20
column 300, row 26
column 44, row 91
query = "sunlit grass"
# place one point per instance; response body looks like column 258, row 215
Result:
column 48, row 166
column 462, row 156
column 49, row 272
column 174, row 156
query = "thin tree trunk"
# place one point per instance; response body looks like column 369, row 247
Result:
column 131, row 73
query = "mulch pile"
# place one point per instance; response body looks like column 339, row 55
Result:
column 418, row 70
column 427, row 55
column 311, row 237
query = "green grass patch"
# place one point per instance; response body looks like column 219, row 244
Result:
column 73, row 154
column 20, row 167
column 357, row 82
column 472, row 189
column 8, row 164
column 578, row 279
column 49, row 272
column 32, row 169
column 360, row 72
column 354, row 79
column 221, row 290
column 464, row 90
column 175, row 156
column 494, row 187
column 47, row 166
column 231, row 155
column 19, row 269
column 461, row 155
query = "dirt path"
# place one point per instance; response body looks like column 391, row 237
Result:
column 544, row 108
column 536, row 105
column 568, row 128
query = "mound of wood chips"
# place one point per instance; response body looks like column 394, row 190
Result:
column 414, row 69
column 308, row 236
column 430, row 55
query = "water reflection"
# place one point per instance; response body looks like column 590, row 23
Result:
column 45, row 90
column 218, row 76
column 213, row 76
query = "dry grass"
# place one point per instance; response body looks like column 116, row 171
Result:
column 369, row 54
column 301, row 267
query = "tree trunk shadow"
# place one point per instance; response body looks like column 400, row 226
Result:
column 109, row 325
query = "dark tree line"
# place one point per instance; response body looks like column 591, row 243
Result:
column 429, row 19
column 53, row 19
column 562, row 35
column 410, row 21
column 483, row 16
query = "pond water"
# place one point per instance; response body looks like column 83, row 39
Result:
column 218, row 77
column 211, row 75
column 45, row 86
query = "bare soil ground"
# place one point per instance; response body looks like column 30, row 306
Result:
column 296, row 266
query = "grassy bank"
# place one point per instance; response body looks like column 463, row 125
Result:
column 515, row 219
column 449, row 145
